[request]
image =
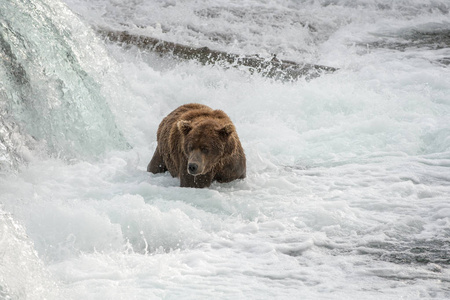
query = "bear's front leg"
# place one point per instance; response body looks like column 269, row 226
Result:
column 157, row 164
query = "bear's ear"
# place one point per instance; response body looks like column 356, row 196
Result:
column 184, row 126
column 226, row 130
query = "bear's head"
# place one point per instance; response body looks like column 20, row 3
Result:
column 205, row 144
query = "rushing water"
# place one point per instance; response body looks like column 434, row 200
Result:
column 348, row 187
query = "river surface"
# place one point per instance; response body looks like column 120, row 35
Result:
column 347, row 194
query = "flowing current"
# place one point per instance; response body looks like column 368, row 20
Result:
column 347, row 194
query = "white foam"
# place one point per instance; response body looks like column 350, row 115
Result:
column 347, row 173
column 22, row 274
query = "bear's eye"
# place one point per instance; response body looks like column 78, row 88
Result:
column 204, row 150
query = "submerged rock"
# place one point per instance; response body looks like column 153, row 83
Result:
column 270, row 67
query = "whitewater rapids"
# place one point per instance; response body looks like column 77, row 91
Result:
column 347, row 194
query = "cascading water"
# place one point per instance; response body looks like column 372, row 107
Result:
column 49, row 94
column 51, row 104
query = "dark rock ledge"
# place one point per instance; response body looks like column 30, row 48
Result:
column 272, row 67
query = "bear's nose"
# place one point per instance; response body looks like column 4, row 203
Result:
column 192, row 167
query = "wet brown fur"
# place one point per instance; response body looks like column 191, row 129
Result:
column 196, row 134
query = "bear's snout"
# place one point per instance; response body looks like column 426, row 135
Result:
column 196, row 163
column 192, row 168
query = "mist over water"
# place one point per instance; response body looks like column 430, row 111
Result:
column 348, row 182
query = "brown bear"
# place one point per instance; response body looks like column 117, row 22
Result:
column 198, row 145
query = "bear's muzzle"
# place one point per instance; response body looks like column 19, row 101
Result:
column 196, row 163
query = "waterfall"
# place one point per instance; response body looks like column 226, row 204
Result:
column 51, row 94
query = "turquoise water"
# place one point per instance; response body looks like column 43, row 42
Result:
column 50, row 72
